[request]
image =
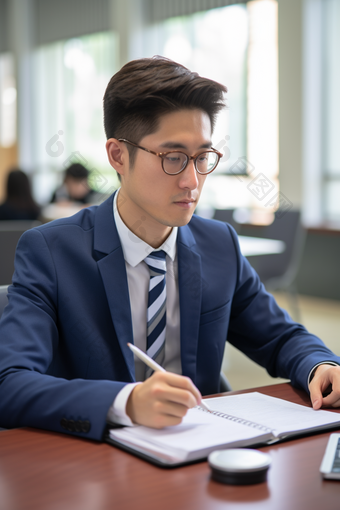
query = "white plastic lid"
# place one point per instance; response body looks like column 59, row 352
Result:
column 239, row 460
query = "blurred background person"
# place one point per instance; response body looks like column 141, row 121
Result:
column 75, row 187
column 19, row 203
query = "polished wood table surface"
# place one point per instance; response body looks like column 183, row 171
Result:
column 42, row 470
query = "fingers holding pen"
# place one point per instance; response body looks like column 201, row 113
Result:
column 177, row 387
column 162, row 400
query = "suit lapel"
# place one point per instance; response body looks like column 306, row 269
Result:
column 112, row 268
column 190, row 295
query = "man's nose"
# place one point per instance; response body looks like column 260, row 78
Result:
column 189, row 178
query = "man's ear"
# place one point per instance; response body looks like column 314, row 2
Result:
column 118, row 155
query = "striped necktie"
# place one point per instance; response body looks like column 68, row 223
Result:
column 156, row 312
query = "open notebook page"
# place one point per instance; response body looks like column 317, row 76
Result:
column 198, row 432
column 237, row 420
column 281, row 416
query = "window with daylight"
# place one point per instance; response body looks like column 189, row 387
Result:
column 237, row 46
column 70, row 80
column 8, row 101
column 331, row 111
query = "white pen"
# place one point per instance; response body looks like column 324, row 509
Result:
column 157, row 368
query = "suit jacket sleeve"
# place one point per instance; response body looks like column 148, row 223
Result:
column 267, row 334
column 32, row 392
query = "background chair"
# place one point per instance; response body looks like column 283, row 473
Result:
column 3, row 298
column 277, row 271
column 10, row 233
column 227, row 215
column 224, row 384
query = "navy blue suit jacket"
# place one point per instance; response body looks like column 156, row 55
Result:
column 64, row 333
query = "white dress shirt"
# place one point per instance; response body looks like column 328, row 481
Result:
column 138, row 275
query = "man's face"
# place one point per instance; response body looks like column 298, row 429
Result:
column 77, row 188
column 148, row 194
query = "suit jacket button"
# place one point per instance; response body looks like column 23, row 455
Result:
column 78, row 426
column 86, row 426
column 71, row 426
column 63, row 423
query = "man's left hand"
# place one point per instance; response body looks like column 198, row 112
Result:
column 326, row 376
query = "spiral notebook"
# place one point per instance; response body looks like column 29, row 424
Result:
column 236, row 421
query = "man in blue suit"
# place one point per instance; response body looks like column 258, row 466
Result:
column 83, row 287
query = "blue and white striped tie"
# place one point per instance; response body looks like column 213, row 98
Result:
column 156, row 313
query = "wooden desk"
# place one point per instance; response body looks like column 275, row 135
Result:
column 47, row 471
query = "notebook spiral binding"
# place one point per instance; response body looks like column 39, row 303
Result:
column 237, row 419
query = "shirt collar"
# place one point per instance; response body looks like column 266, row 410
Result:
column 135, row 249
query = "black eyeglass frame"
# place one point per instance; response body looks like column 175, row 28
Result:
column 162, row 155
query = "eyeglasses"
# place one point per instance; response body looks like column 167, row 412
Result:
column 175, row 162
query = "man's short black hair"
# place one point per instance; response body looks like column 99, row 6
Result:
column 77, row 171
column 146, row 89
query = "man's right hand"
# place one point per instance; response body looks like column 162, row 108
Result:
column 162, row 400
